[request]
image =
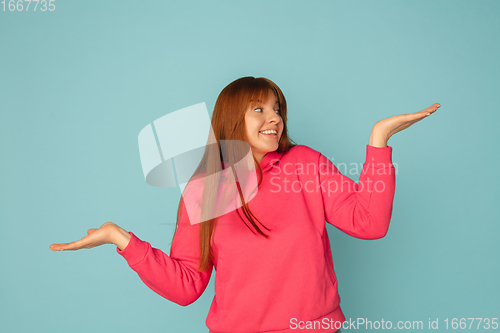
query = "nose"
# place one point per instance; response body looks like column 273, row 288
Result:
column 274, row 118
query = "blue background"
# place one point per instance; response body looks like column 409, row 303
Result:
column 79, row 83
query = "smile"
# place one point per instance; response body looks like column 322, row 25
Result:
column 270, row 134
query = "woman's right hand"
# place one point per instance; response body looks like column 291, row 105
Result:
column 95, row 237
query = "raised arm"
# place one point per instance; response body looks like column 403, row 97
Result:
column 361, row 210
column 364, row 210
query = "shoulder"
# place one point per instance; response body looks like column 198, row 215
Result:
column 301, row 152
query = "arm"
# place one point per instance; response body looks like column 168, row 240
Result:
column 378, row 139
column 121, row 238
column 175, row 277
column 361, row 210
column 364, row 210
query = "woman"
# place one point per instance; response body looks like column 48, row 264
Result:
column 272, row 255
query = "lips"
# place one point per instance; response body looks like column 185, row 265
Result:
column 270, row 129
column 273, row 136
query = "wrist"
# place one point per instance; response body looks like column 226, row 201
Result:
column 378, row 138
column 120, row 237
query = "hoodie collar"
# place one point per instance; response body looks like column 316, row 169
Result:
column 270, row 160
column 267, row 162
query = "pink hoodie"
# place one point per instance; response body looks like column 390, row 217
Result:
column 286, row 282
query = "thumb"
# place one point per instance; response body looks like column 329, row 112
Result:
column 91, row 231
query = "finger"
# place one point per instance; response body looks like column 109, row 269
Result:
column 58, row 247
column 414, row 117
column 79, row 244
column 417, row 116
column 76, row 245
column 91, row 231
column 62, row 247
column 431, row 109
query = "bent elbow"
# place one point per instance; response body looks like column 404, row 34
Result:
column 380, row 235
column 187, row 301
column 189, row 297
column 374, row 230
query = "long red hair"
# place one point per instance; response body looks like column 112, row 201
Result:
column 228, row 123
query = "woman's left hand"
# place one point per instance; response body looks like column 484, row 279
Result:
column 384, row 129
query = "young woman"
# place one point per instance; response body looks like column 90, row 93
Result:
column 272, row 255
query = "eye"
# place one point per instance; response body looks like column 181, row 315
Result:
column 259, row 109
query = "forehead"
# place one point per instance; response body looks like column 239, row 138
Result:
column 262, row 97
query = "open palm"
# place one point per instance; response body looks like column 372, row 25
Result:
column 392, row 125
column 95, row 237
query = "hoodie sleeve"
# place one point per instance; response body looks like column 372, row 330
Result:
column 361, row 210
column 175, row 277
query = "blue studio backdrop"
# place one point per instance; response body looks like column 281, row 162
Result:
column 80, row 79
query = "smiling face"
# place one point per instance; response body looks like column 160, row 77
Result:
column 264, row 115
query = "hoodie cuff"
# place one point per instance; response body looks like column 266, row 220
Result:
column 135, row 251
column 378, row 154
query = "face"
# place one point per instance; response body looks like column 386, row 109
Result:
column 262, row 117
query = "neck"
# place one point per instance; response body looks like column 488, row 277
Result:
column 259, row 157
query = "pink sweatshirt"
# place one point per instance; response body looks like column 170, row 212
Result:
column 286, row 282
